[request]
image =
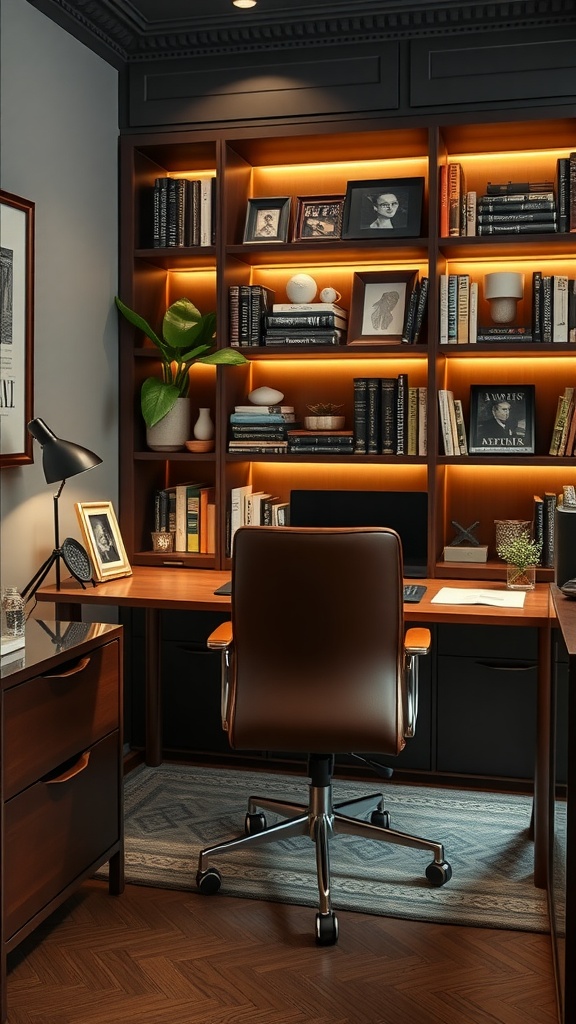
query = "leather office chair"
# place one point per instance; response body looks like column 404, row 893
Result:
column 316, row 660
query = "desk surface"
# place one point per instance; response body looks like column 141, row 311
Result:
column 193, row 590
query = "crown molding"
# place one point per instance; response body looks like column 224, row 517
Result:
column 119, row 32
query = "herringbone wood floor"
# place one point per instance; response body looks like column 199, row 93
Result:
column 155, row 956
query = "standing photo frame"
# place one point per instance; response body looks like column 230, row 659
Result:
column 384, row 207
column 268, row 219
column 103, row 540
column 16, row 329
column 318, row 217
column 379, row 305
column 501, row 419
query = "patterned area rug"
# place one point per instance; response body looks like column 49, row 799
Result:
column 172, row 811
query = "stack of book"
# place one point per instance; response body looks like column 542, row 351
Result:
column 389, row 416
column 247, row 307
column 305, row 324
column 323, row 442
column 260, row 429
column 188, row 511
column 564, row 431
column 182, row 212
column 452, row 426
column 520, row 207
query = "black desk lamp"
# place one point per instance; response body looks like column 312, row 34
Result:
column 60, row 459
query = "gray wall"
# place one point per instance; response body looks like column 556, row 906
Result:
column 59, row 116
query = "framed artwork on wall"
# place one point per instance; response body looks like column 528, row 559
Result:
column 501, row 419
column 385, row 207
column 16, row 329
column 103, row 540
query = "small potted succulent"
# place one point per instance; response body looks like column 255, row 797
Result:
column 324, row 417
column 522, row 555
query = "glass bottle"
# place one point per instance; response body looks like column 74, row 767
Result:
column 13, row 612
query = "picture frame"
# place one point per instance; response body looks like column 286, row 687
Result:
column 267, row 219
column 318, row 218
column 507, row 408
column 398, row 216
column 378, row 307
column 16, row 329
column 101, row 535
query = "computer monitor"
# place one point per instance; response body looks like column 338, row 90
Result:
column 403, row 511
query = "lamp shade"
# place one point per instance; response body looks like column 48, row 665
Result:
column 61, row 459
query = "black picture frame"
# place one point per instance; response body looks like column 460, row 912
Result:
column 361, row 208
column 318, row 218
column 267, row 219
column 378, row 307
column 517, row 435
column 17, row 232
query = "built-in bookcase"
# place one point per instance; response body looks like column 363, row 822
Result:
column 307, row 161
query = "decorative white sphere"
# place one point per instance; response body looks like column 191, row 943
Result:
column 265, row 396
column 301, row 288
column 330, row 295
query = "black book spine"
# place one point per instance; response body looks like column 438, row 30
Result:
column 360, row 415
column 286, row 321
column 537, row 305
column 549, row 515
column 572, row 193
column 160, row 206
column 538, row 527
column 563, row 192
column 512, row 205
column 517, row 217
column 517, row 229
column 546, row 308
column 421, row 308
column 373, row 416
column 388, row 386
column 234, row 315
column 402, row 414
column 410, row 317
column 244, row 313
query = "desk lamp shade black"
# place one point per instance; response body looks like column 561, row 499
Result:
column 60, row 460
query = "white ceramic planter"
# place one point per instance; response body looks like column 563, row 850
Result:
column 172, row 431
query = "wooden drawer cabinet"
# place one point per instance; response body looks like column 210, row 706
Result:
column 61, row 760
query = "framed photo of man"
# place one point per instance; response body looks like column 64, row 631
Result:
column 385, row 207
column 102, row 538
column 501, row 419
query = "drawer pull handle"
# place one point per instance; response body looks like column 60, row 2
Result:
column 79, row 667
column 74, row 769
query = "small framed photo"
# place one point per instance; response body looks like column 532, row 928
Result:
column 318, row 217
column 379, row 304
column 267, row 220
column 501, row 419
column 384, row 207
column 101, row 535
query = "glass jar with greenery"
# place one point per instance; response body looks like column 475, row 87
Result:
column 522, row 555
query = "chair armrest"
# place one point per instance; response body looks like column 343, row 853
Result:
column 417, row 642
column 220, row 637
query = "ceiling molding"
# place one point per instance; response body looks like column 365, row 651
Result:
column 120, row 32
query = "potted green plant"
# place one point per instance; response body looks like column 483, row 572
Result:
column 325, row 417
column 187, row 338
column 522, row 555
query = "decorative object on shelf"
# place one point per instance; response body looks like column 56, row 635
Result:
column 318, row 217
column 187, row 338
column 60, row 460
column 388, row 206
column 501, row 419
column 17, row 328
column 502, row 291
column 330, row 295
column 506, row 530
column 13, row 613
column 265, row 396
column 301, row 288
column 379, row 304
column 465, row 547
column 268, row 219
column 102, row 537
column 324, row 417
column 200, row 446
column 203, row 427
column 162, row 541
column 522, row 555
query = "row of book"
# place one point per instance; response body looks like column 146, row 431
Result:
column 390, row 416
column 553, row 312
column 563, row 442
column 248, row 507
column 520, row 207
column 183, row 212
column 188, row 511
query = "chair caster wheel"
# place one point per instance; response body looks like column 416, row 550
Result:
column 209, row 881
column 254, row 823
column 438, row 874
column 380, row 818
column 326, row 929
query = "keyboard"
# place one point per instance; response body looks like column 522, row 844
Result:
column 413, row 592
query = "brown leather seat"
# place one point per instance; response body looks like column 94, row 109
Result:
column 316, row 659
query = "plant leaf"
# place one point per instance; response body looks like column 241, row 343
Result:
column 156, row 399
column 185, row 327
column 138, row 321
column 224, row 356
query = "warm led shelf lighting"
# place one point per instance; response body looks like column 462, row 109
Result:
column 244, row 3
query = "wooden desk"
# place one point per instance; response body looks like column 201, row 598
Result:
column 155, row 590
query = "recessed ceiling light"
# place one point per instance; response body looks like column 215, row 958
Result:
column 244, row 3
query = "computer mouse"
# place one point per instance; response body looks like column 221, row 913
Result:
column 569, row 588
